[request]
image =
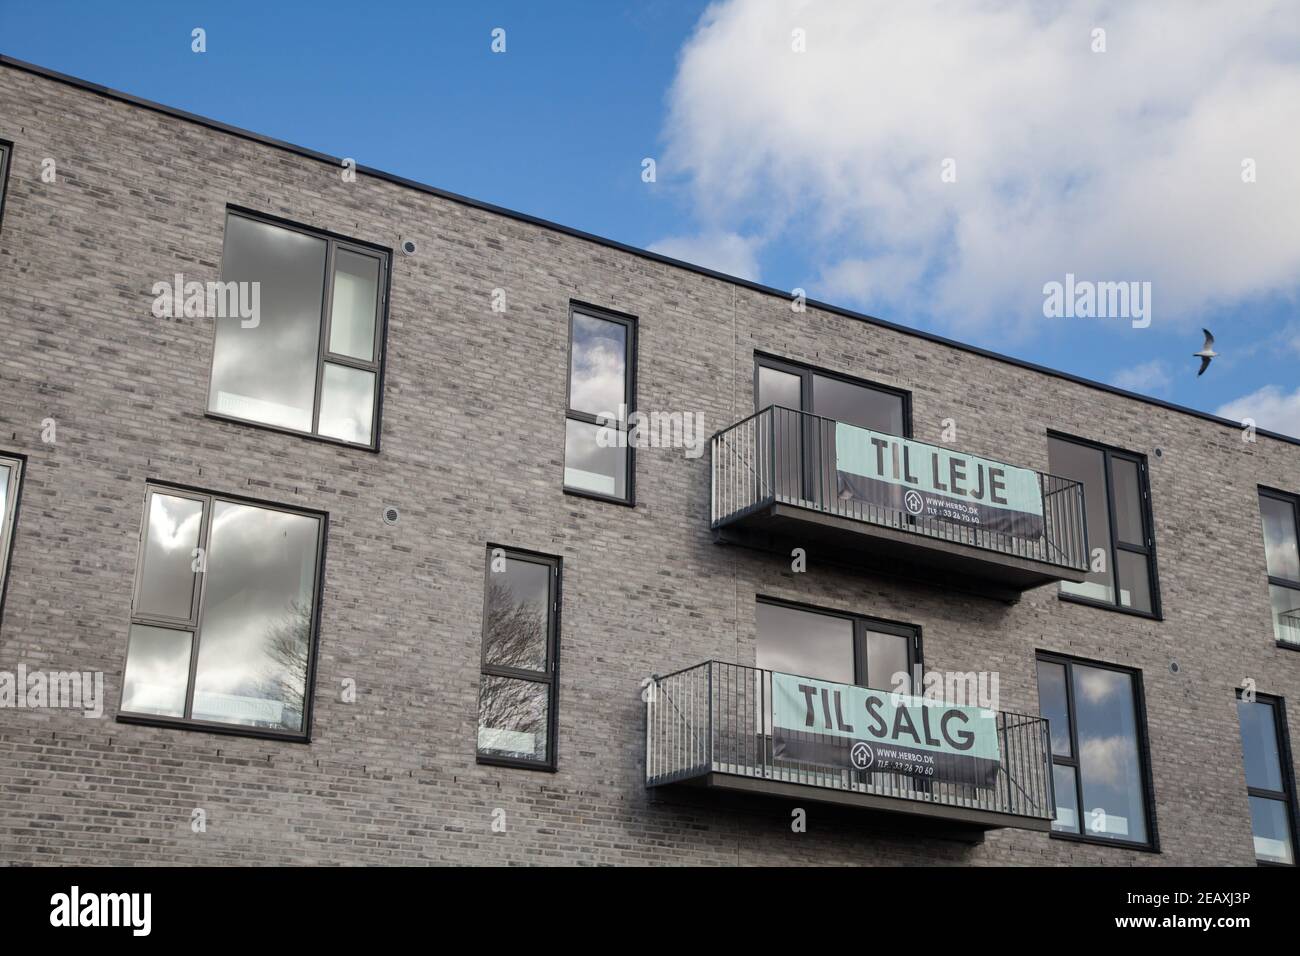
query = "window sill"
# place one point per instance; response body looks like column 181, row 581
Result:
column 228, row 730
column 596, row 496
column 514, row 763
column 1287, row 646
column 1097, row 841
column 1103, row 606
column 337, row 442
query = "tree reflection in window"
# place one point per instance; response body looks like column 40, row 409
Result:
column 517, row 682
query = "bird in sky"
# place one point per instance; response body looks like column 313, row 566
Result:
column 1206, row 353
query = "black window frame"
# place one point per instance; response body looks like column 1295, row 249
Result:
column 551, row 680
column 9, row 519
column 324, row 356
column 6, row 160
column 630, row 322
column 1288, row 795
column 1294, row 501
column 861, row 624
column 1067, row 661
column 204, row 726
column 1114, row 546
column 806, row 373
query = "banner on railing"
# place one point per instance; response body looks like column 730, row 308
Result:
column 848, row 727
column 931, row 482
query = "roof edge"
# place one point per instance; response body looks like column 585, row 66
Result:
column 303, row 151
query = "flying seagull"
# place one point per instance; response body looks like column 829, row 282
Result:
column 1206, row 353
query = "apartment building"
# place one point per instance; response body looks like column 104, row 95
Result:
column 401, row 528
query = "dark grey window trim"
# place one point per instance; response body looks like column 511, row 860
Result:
column 577, row 307
column 861, row 624
column 806, row 372
column 324, row 357
column 1114, row 545
column 1143, row 744
column 9, row 519
column 233, row 730
column 6, row 159
column 551, row 679
column 1294, row 501
column 1288, row 794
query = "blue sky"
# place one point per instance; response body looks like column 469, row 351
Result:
column 820, row 168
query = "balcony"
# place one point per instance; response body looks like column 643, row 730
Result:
column 784, row 478
column 722, row 726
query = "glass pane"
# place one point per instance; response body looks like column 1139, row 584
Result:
column 347, row 403
column 1268, row 822
column 1067, row 799
column 1110, row 766
column 888, row 655
column 590, row 467
column 518, row 604
column 1054, row 705
column 1134, row 580
column 598, row 369
column 1080, row 463
column 512, row 718
column 1280, row 549
column 804, row 643
column 157, row 671
column 778, row 388
column 857, row 405
column 264, row 367
column 1128, row 501
column 838, row 401
column 1286, row 613
column 356, row 299
column 167, row 576
column 1259, row 748
column 6, row 476
column 257, row 617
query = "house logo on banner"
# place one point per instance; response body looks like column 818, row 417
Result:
column 914, row 503
column 861, row 756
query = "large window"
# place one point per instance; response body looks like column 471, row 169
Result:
column 1270, row 782
column 1099, row 762
column 224, row 614
column 11, row 474
column 598, row 460
column 309, row 361
column 1122, row 545
column 520, row 666
column 1281, row 516
column 829, row 645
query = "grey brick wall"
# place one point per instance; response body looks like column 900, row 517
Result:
column 472, row 443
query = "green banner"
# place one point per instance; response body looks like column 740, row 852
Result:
column 849, row 727
column 927, row 481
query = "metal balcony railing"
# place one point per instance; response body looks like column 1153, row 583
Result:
column 716, row 718
column 783, row 456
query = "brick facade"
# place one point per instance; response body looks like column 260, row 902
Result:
column 471, row 452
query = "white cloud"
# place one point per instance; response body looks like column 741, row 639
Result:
column 1123, row 165
column 722, row 251
column 1148, row 378
column 1270, row 407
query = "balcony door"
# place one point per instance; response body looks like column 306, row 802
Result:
column 830, row 646
column 803, row 445
column 833, row 646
